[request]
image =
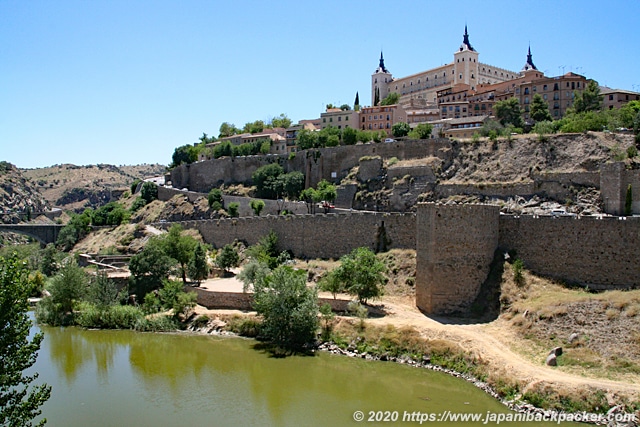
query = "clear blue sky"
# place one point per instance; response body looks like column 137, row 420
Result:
column 127, row 81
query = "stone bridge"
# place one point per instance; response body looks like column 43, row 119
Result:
column 43, row 233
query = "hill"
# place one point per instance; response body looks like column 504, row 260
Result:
column 19, row 198
column 75, row 188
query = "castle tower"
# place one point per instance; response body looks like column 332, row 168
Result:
column 465, row 62
column 380, row 81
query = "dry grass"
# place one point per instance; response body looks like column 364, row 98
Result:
column 544, row 313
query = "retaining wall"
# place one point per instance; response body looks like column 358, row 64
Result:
column 315, row 236
column 588, row 251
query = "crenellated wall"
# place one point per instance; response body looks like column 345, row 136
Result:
column 315, row 236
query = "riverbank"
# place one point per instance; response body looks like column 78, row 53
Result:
column 442, row 349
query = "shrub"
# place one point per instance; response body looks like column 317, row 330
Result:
column 215, row 198
column 138, row 204
column 233, row 209
column 149, row 192
column 257, row 206
column 517, row 267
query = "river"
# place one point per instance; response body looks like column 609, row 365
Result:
column 125, row 378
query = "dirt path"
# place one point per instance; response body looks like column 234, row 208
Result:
column 491, row 343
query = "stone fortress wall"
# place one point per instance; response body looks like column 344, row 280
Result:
column 454, row 250
column 455, row 245
column 331, row 164
column 314, row 236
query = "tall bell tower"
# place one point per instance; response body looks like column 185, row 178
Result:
column 465, row 63
column 380, row 81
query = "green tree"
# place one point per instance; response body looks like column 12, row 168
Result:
column 228, row 129
column 134, row 185
column 149, row 267
column 356, row 102
column 266, row 250
column 257, row 206
column 232, row 209
column 400, row 129
column 264, row 179
column 288, row 307
column 66, row 288
column 185, row 154
column 589, row 99
column 173, row 297
column 179, row 247
column 282, row 121
column 227, row 258
column 362, row 274
column 421, row 131
column 329, row 137
column 224, row 149
column 327, row 191
column 310, row 196
column 628, row 202
column 508, row 112
column 349, row 136
column 391, row 99
column 376, row 97
column 113, row 213
column 19, row 402
column 76, row 229
column 214, row 198
column 102, row 291
column 254, row 127
column 252, row 272
column 49, row 260
column 198, row 267
column 149, row 192
column 539, row 109
column 307, row 139
column 345, row 107
column 331, row 283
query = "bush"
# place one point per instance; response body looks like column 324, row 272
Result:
column 257, row 206
column 517, row 267
column 227, row 258
column 112, row 317
column 289, row 308
column 156, row 324
column 138, row 204
column 233, row 209
column 215, row 198
column 149, row 192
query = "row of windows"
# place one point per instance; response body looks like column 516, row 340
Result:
column 324, row 119
column 375, row 126
column 375, row 117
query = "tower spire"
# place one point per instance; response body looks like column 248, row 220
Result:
column 529, row 65
column 465, row 40
column 381, row 67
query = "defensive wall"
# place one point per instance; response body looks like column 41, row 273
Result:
column 332, row 163
column 455, row 245
column 244, row 203
column 315, row 236
column 614, row 180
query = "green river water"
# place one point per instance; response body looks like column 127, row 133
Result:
column 125, row 378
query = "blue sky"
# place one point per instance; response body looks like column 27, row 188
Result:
column 127, row 81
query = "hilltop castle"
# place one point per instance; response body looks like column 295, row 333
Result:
column 466, row 69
